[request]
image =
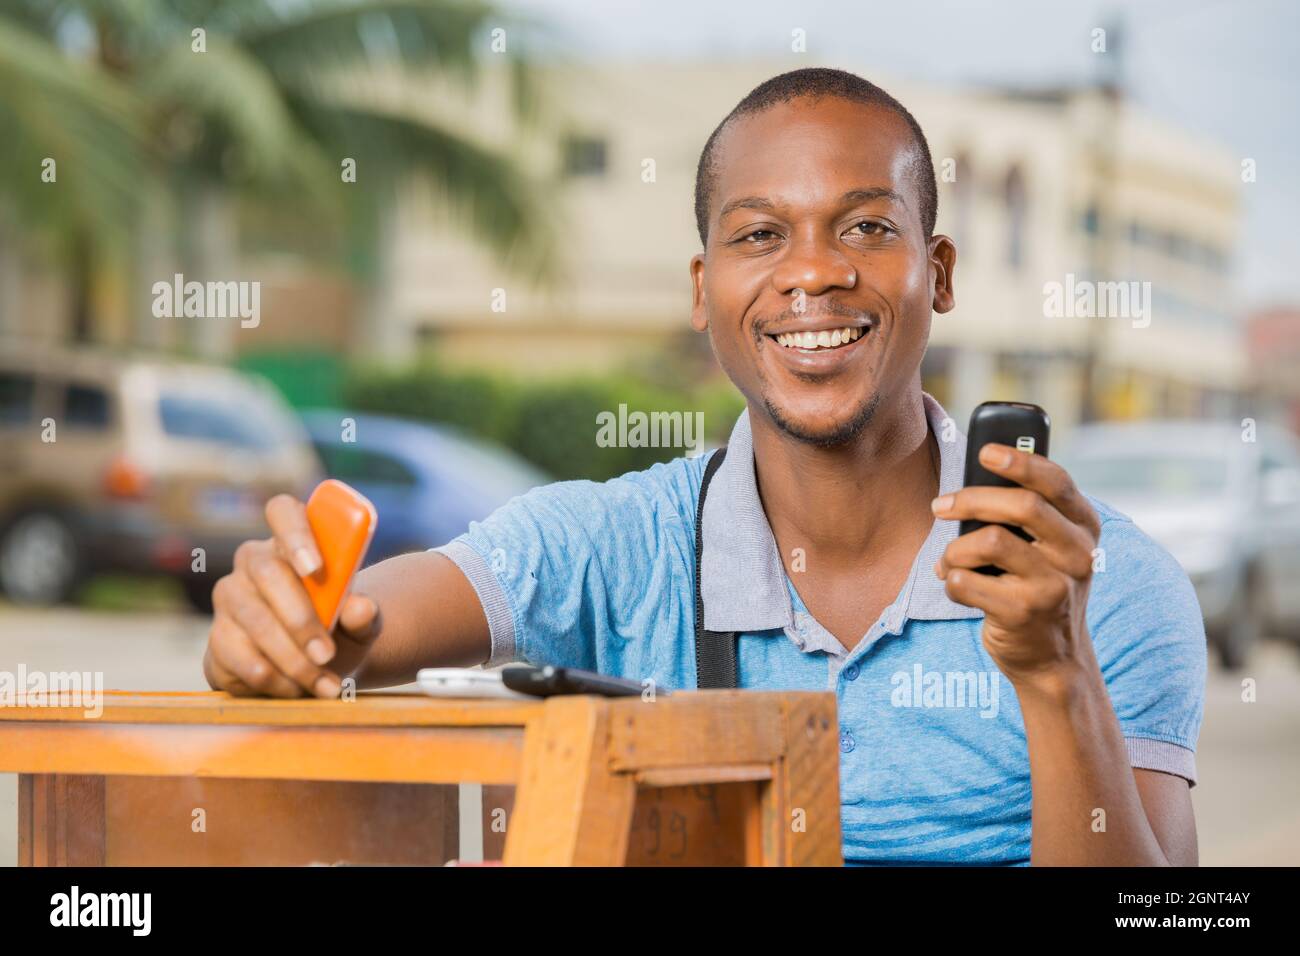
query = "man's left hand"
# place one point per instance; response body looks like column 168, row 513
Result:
column 1034, row 625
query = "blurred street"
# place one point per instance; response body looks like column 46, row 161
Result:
column 1245, row 802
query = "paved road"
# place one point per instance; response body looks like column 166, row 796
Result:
column 1247, row 804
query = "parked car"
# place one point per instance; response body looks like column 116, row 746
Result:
column 117, row 464
column 427, row 482
column 1226, row 508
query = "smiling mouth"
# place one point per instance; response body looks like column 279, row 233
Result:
column 822, row 341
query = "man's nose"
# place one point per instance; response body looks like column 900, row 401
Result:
column 815, row 265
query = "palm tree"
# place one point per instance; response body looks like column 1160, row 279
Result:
column 258, row 111
column 70, row 166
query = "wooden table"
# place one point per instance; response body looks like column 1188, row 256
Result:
column 706, row 777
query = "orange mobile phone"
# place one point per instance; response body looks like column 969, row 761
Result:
column 343, row 522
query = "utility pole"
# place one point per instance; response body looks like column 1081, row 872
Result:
column 1103, row 220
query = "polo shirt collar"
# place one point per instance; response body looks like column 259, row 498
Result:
column 742, row 579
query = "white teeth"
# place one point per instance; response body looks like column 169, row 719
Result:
column 819, row 340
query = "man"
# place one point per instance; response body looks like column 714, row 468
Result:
column 971, row 706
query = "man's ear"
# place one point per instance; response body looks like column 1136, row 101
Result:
column 699, row 308
column 943, row 259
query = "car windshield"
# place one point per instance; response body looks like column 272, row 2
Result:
column 1175, row 476
column 237, row 417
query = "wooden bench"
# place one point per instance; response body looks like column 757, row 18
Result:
column 692, row 778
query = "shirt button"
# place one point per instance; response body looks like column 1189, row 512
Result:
column 846, row 742
column 851, row 672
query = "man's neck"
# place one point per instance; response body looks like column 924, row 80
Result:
column 849, row 503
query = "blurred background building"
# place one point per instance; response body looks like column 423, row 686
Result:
column 1028, row 172
column 1035, row 186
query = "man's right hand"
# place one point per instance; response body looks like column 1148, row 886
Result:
column 265, row 637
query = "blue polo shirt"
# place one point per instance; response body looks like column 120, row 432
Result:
column 934, row 766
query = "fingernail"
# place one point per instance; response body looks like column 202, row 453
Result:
column 328, row 686
column 941, row 504
column 938, row 569
column 997, row 457
column 319, row 651
column 305, row 562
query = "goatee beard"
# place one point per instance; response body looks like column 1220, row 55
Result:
column 841, row 435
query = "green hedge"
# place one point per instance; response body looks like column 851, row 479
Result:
column 305, row 378
column 551, row 423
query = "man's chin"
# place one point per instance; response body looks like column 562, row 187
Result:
column 824, row 430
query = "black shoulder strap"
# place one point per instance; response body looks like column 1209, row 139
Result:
column 715, row 651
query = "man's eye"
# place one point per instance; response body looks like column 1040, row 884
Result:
column 760, row 235
column 873, row 229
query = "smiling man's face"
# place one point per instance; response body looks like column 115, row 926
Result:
column 818, row 281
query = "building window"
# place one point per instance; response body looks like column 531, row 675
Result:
column 17, row 392
column 584, row 156
column 1091, row 221
column 1014, row 196
column 963, row 194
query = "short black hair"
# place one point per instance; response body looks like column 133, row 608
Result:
column 816, row 82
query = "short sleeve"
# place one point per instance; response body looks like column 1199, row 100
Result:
column 1146, row 626
column 571, row 573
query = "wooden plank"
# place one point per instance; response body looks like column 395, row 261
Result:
column 410, row 755
column 37, row 820
column 696, row 825
column 770, row 839
column 190, row 821
column 811, row 780
column 694, row 775
column 751, row 815
column 26, row 820
column 571, row 809
column 704, row 727
column 44, row 822
column 79, row 800
column 214, row 707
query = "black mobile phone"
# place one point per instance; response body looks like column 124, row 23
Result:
column 1017, row 424
column 550, row 681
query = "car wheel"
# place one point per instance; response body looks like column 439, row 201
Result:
column 1245, row 623
column 40, row 559
column 198, row 591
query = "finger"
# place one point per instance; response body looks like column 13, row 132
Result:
column 242, row 601
column 283, row 592
column 235, row 651
column 222, row 679
column 287, row 517
column 248, row 550
column 1008, row 601
column 359, row 618
column 1041, row 474
column 1000, row 598
column 992, row 544
column 1016, row 506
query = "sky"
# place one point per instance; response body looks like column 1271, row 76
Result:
column 1226, row 69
